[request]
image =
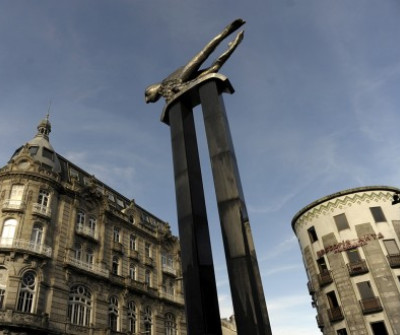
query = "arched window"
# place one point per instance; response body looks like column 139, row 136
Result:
column 147, row 320
column 116, row 235
column 79, row 305
column 3, row 285
column 132, row 242
column 27, row 292
column 80, row 220
column 170, row 324
column 113, row 314
column 43, row 198
column 132, row 271
column 37, row 235
column 115, row 265
column 132, row 317
column 8, row 232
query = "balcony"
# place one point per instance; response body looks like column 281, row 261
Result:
column 172, row 297
column 371, row 305
column 12, row 205
column 357, row 268
column 134, row 254
column 77, row 330
column 118, row 247
column 141, row 286
column 88, row 267
column 335, row 314
column 41, row 210
column 394, row 260
column 117, row 279
column 148, row 261
column 22, row 320
column 87, row 232
column 311, row 288
column 168, row 270
column 325, row 278
column 26, row 246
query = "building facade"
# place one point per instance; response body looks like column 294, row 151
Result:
column 77, row 257
column 350, row 246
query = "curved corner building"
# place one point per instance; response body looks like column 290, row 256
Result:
column 350, row 245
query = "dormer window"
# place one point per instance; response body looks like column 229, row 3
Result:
column 48, row 153
column 33, row 150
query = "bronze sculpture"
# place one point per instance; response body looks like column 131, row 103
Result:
column 180, row 78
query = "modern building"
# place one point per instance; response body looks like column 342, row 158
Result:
column 77, row 257
column 350, row 245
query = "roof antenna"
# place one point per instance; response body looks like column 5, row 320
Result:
column 48, row 110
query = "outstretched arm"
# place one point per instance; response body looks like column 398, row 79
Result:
column 194, row 64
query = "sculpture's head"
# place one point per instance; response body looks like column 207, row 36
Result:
column 152, row 93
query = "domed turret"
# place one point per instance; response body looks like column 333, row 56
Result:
column 40, row 148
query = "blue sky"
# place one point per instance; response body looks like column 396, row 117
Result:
column 316, row 108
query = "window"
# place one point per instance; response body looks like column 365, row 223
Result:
column 79, row 305
column 131, row 219
column 7, row 235
column 147, row 320
column 170, row 324
column 17, row 192
column 92, row 226
column 115, row 265
column 77, row 251
column 322, row 264
column 116, row 235
column 132, row 317
column 48, row 153
column 132, row 242
column 113, row 314
column 341, row 222
column 26, row 292
column 167, row 260
column 342, row 331
column 80, row 220
column 3, row 285
column 365, row 290
column 132, row 271
column 147, row 249
column 379, row 328
column 89, row 256
column 147, row 277
column 37, row 235
column 353, row 255
column 378, row 215
column 391, row 247
column 43, row 198
column 312, row 234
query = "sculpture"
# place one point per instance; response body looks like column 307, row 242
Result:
column 180, row 78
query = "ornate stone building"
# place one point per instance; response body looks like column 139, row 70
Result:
column 350, row 245
column 77, row 257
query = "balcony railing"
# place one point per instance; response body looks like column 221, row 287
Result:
column 92, row 268
column 172, row 297
column 141, row 286
column 134, row 254
column 118, row 247
column 41, row 209
column 11, row 204
column 168, row 269
column 84, row 230
column 394, row 260
column 335, row 314
column 148, row 261
column 24, row 245
column 357, row 268
column 371, row 305
column 325, row 278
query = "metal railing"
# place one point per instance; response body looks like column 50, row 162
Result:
column 87, row 266
column 325, row 278
column 357, row 268
column 371, row 305
column 394, row 260
column 25, row 245
column 335, row 314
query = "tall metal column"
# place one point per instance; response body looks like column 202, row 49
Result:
column 246, row 287
column 201, row 301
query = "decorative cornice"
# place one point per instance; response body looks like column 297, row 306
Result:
column 347, row 198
